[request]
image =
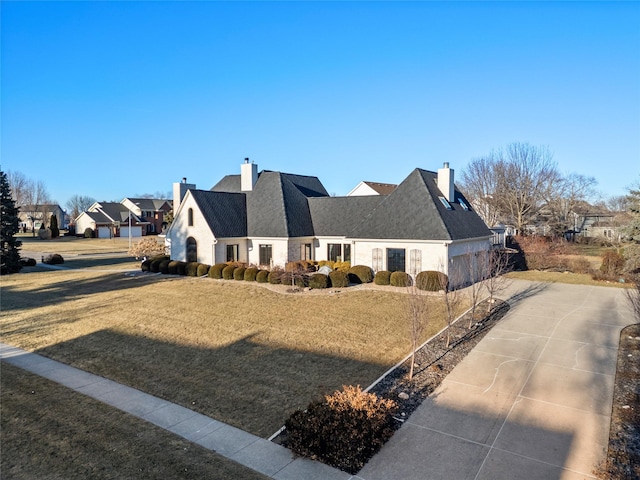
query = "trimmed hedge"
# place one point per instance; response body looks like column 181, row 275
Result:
column 342, row 266
column 227, row 272
column 28, row 262
column 432, row 281
column 89, row 233
column 173, row 267
column 318, row 280
column 298, row 279
column 383, row 277
column 238, row 273
column 250, row 274
column 182, row 268
column 54, row 259
column 344, row 429
column 216, row 270
column 275, row 277
column 192, row 269
column 400, row 279
column 164, row 266
column 203, row 269
column 155, row 265
column 146, row 266
column 262, row 276
column 339, row 279
column 360, row 274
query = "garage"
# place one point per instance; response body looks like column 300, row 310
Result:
column 104, row 232
column 136, row 231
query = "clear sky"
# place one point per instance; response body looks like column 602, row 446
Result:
column 116, row 99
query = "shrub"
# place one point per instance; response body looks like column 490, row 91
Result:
column 146, row 266
column 89, row 233
column 612, row 263
column 400, row 279
column 182, row 268
column 431, row 281
column 342, row 266
column 155, row 265
column 44, row 234
column 164, row 266
column 318, row 280
column 339, row 279
column 328, row 263
column 53, row 259
column 579, row 265
column 360, row 274
column 147, row 247
column 250, row 274
column 216, row 270
column 173, row 267
column 227, row 272
column 344, row 430
column 191, row 269
column 299, row 266
column 238, row 273
column 203, row 269
column 53, row 226
column 28, row 262
column 275, row 277
column 383, row 277
column 262, row 276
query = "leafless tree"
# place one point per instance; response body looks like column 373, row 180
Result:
column 617, row 203
column 473, row 264
column 451, row 296
column 480, row 185
column 496, row 264
column 417, row 309
column 19, row 185
column 633, row 296
column 78, row 204
column 31, row 197
column 568, row 193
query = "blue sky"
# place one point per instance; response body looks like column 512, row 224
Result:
column 116, row 99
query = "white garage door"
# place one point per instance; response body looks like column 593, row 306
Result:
column 104, row 232
column 135, row 231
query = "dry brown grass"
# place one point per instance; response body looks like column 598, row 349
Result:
column 562, row 277
column 235, row 351
column 50, row 432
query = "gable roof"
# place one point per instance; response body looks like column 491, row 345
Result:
column 149, row 204
column 225, row 213
column 414, row 211
column 381, row 188
column 335, row 216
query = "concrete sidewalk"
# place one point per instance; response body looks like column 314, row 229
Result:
column 531, row 401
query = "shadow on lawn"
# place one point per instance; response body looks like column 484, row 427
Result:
column 248, row 383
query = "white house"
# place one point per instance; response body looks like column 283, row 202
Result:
column 270, row 218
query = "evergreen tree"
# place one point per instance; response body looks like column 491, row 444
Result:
column 9, row 221
column 53, row 226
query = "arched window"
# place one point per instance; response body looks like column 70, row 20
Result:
column 192, row 250
column 190, row 217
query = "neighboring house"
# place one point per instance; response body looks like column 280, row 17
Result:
column 605, row 225
column 150, row 211
column 33, row 216
column 110, row 219
column 271, row 218
column 371, row 188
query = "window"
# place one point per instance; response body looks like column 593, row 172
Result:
column 192, row 250
column 266, row 254
column 347, row 252
column 305, row 251
column 334, row 252
column 395, row 260
column 190, row 217
column 376, row 260
column 232, row 253
column 446, row 204
column 463, row 204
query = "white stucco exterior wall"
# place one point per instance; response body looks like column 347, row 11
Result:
column 179, row 231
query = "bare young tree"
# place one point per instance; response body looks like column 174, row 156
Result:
column 473, row 264
column 451, row 296
column 19, row 185
column 496, row 264
column 418, row 316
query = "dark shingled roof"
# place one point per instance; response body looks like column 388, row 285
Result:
column 336, row 216
column 117, row 211
column 382, row 188
column 226, row 213
column 286, row 205
column 414, row 211
column 152, row 204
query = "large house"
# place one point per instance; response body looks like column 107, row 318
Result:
column 32, row 217
column 271, row 218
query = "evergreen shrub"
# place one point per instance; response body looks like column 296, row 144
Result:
column 339, row 279
column 262, row 276
column 318, row 280
column 173, row 267
column 431, row 281
column 383, row 277
column 182, row 268
column 146, row 266
column 360, row 274
column 400, row 279
column 216, row 270
column 250, row 274
column 275, row 277
column 238, row 273
column 227, row 272
column 89, row 233
column 53, row 259
column 164, row 266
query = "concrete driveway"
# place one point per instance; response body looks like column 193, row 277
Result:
column 531, row 401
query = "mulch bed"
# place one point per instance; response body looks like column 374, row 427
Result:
column 434, row 361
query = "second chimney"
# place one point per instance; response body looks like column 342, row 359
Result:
column 248, row 175
column 445, row 182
